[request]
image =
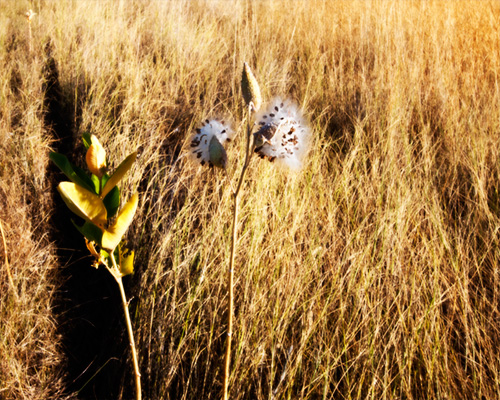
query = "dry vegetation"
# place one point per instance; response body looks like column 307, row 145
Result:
column 372, row 274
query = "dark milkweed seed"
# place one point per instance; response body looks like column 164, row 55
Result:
column 207, row 121
column 223, row 131
column 282, row 118
column 281, row 105
column 271, row 115
column 262, row 123
column 228, row 140
column 198, row 130
column 202, row 162
column 271, row 159
column 223, row 122
column 276, row 108
column 198, row 155
column 264, row 116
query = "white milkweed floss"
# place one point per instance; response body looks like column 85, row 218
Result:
column 200, row 143
column 283, row 136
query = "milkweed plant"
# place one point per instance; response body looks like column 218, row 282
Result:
column 278, row 133
column 96, row 199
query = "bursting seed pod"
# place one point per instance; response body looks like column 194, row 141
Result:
column 207, row 143
column 283, row 136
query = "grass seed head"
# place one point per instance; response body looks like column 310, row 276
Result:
column 29, row 15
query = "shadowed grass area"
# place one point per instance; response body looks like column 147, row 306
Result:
column 371, row 274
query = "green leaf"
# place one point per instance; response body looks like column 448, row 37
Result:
column 113, row 235
column 112, row 201
column 95, row 182
column 83, row 203
column 86, row 139
column 90, row 231
column 105, row 254
column 75, row 174
column 122, row 169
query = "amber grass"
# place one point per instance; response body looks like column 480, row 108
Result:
column 385, row 280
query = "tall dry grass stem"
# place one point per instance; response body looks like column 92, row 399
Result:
column 7, row 266
column 234, row 239
column 29, row 17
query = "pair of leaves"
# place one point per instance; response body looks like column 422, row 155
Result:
column 91, row 208
column 78, row 175
column 110, row 193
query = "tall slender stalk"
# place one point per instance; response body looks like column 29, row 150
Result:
column 128, row 321
column 29, row 17
column 234, row 238
column 7, row 266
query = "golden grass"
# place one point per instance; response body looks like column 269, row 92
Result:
column 372, row 274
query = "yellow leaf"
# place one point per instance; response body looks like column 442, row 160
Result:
column 113, row 235
column 83, row 203
column 119, row 173
column 127, row 262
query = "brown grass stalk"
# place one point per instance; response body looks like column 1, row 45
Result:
column 6, row 263
column 234, row 240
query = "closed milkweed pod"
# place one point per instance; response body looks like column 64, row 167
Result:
column 250, row 89
column 96, row 158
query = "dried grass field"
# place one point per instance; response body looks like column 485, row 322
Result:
column 371, row 273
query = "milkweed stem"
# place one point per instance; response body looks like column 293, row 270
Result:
column 137, row 374
column 234, row 238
